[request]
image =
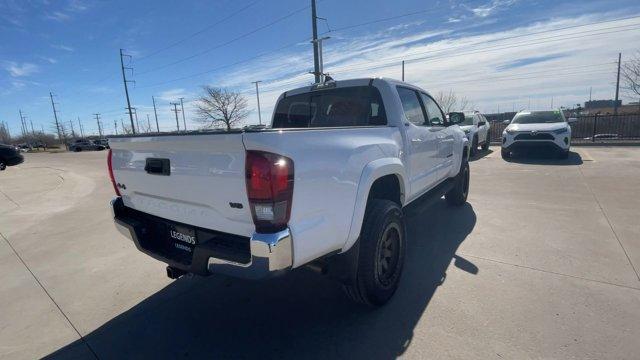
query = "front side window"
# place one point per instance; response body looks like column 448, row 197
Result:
column 411, row 106
column 436, row 117
column 337, row 107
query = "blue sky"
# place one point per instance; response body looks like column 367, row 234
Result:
column 497, row 53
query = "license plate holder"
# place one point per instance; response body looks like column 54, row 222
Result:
column 182, row 239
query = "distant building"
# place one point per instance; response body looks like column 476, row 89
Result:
column 599, row 104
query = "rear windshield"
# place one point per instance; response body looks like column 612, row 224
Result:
column 350, row 106
column 538, row 117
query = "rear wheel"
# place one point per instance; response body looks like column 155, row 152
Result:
column 77, row 149
column 485, row 145
column 474, row 146
column 458, row 194
column 506, row 154
column 2, row 165
column 381, row 254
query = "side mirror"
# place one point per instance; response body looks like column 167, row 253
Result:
column 507, row 122
column 456, row 118
column 572, row 120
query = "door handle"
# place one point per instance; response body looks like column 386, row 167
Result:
column 417, row 140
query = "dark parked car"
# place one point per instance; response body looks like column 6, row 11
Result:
column 102, row 142
column 84, row 145
column 9, row 156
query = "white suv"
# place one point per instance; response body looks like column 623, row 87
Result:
column 476, row 129
column 537, row 129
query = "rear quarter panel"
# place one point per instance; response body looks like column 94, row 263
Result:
column 328, row 165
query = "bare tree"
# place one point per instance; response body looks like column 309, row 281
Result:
column 221, row 107
column 451, row 102
column 631, row 75
column 5, row 136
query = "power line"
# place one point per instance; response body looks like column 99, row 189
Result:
column 476, row 51
column 209, row 27
column 418, row 53
column 208, row 50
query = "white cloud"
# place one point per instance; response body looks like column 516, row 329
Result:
column 19, row 70
column 173, row 95
column 475, row 66
column 49, row 59
column 490, row 8
column 58, row 16
column 63, row 47
column 77, row 6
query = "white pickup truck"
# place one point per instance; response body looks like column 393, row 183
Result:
column 324, row 186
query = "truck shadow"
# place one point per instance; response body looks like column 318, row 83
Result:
column 545, row 157
column 301, row 315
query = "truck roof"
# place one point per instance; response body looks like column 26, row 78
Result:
column 351, row 82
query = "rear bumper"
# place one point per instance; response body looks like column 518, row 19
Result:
column 269, row 254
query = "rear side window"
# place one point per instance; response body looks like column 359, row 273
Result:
column 411, row 106
column 338, row 107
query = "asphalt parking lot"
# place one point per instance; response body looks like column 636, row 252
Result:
column 542, row 263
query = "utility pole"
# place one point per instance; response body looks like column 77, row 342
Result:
column 321, row 74
column 148, row 124
column 155, row 113
column 126, row 88
column 258, row 97
column 552, row 103
column 99, row 127
column 123, row 128
column 615, row 104
column 314, row 26
column 184, row 122
column 175, row 110
column 32, row 131
column 81, row 129
column 402, row 70
column 73, row 130
column 590, row 90
column 135, row 113
column 55, row 115
column 22, row 129
column 115, row 125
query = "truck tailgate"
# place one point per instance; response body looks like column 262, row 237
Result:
column 192, row 179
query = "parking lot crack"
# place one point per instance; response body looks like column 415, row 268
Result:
column 9, row 197
column 549, row 272
column 49, row 295
column 604, row 213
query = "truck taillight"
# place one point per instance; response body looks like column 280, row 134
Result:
column 113, row 179
column 270, row 189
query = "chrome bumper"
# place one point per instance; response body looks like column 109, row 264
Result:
column 271, row 254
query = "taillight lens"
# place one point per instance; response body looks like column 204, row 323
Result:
column 113, row 180
column 269, row 179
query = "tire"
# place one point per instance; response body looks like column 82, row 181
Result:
column 2, row 165
column 382, row 241
column 457, row 196
column 485, row 145
column 474, row 146
column 77, row 149
column 506, row 154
